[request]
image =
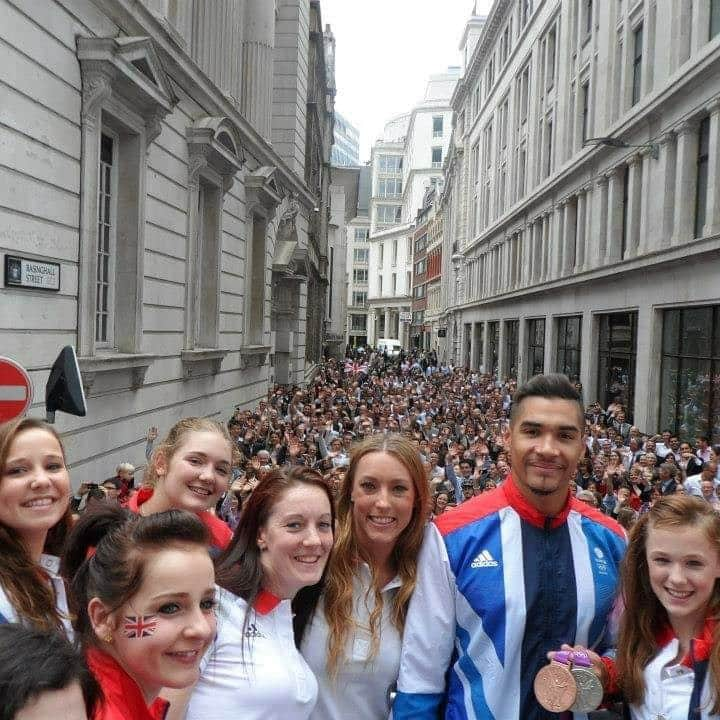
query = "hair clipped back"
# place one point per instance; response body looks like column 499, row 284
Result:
column 551, row 386
column 107, row 551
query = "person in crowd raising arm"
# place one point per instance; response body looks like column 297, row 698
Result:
column 510, row 575
column 281, row 545
column 143, row 596
column 34, row 519
column 351, row 637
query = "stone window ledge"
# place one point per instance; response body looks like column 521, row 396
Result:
column 134, row 364
column 202, row 361
column 253, row 355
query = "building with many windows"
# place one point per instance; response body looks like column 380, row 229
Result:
column 166, row 165
column 582, row 228
column 346, row 147
column 406, row 163
column 357, row 259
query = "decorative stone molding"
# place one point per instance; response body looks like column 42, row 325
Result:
column 253, row 356
column 135, row 365
column 129, row 69
column 201, row 361
column 213, row 142
column 262, row 191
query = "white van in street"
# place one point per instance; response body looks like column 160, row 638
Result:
column 389, row 345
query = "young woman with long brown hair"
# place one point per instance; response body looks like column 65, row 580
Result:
column 351, row 633
column 280, row 546
column 34, row 519
column 668, row 653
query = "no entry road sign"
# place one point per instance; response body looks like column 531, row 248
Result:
column 15, row 390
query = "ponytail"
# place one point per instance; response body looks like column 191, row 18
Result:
column 107, row 551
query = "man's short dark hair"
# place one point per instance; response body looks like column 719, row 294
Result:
column 552, row 386
column 33, row 662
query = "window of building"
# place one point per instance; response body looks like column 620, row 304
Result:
column 115, row 136
column 105, row 273
column 381, row 249
column 393, row 283
column 525, row 12
column 548, row 147
column 476, row 100
column 360, row 276
column 437, row 122
column 358, row 322
column 714, row 18
column 617, row 354
column 536, row 347
column 394, row 252
column 493, row 345
column 505, row 45
column 362, row 235
column 551, row 49
column 360, row 255
column 380, row 285
column 567, row 349
column 524, row 94
column 389, row 214
column 490, row 74
column 585, row 109
column 502, row 124
column 408, row 282
column 421, row 266
column 637, row 64
column 390, row 164
column 689, row 396
column 588, row 12
column 421, row 243
column 436, row 157
column 702, row 176
column 512, row 329
column 359, row 298
column 389, row 187
column 522, row 170
column 419, row 292
column 625, row 210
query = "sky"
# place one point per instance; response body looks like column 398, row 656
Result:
column 385, row 52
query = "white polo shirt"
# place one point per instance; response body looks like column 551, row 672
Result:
column 257, row 673
column 360, row 688
column 668, row 689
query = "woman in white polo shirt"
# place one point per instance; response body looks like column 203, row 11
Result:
column 350, row 633
column 281, row 544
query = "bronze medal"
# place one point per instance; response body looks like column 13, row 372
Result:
column 555, row 688
column 589, row 690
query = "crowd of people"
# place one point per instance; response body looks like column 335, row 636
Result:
column 400, row 536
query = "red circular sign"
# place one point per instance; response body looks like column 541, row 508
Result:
column 15, row 390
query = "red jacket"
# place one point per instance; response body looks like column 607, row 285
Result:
column 220, row 533
column 122, row 698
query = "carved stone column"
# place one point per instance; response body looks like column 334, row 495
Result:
column 601, row 213
column 257, row 62
column 712, row 208
column 634, row 198
column 685, row 182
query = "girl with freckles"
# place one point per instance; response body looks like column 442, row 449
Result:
column 34, row 520
column 143, row 597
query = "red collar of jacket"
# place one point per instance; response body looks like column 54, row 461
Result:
column 220, row 533
column 266, row 602
column 700, row 647
column 529, row 512
column 122, row 697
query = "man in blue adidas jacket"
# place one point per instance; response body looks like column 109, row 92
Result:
column 511, row 575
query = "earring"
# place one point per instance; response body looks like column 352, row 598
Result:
column 108, row 638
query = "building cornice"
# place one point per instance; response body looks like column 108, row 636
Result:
column 135, row 19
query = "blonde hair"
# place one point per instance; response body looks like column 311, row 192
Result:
column 178, row 434
column 338, row 594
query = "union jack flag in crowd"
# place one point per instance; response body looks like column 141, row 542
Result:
column 351, row 368
column 139, row 627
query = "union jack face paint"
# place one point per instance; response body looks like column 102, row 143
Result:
column 139, row 626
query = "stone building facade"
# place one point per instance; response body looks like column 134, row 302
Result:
column 582, row 227
column 170, row 159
